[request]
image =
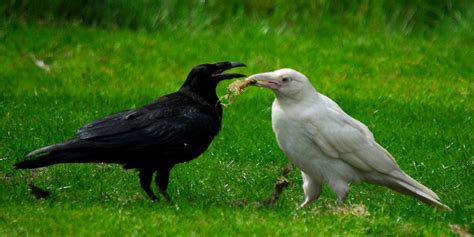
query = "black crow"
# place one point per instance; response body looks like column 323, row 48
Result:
column 175, row 128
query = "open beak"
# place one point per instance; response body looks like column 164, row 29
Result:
column 221, row 67
column 266, row 79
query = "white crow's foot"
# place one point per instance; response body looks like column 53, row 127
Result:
column 302, row 205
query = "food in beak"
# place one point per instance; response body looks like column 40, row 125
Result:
column 235, row 89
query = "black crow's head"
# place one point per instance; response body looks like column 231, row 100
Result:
column 205, row 77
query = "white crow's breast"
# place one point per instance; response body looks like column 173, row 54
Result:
column 292, row 138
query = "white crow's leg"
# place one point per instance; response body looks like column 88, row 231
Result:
column 312, row 189
column 341, row 188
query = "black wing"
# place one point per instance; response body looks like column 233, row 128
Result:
column 115, row 124
column 144, row 127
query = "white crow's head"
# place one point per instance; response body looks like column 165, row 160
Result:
column 284, row 82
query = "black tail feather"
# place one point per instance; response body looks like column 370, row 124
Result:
column 51, row 159
column 74, row 151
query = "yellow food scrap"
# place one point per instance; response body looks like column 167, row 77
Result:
column 235, row 89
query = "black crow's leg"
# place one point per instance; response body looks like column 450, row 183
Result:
column 146, row 176
column 162, row 179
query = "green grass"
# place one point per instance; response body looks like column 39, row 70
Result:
column 414, row 93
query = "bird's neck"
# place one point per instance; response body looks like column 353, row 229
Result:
column 306, row 99
column 205, row 97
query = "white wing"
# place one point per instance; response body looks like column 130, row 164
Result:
column 342, row 137
column 335, row 107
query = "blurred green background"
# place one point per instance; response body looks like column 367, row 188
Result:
column 404, row 16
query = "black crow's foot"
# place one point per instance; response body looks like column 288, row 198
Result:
column 153, row 198
column 166, row 196
column 151, row 195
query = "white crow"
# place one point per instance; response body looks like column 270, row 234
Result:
column 328, row 145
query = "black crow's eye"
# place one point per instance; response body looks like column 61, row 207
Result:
column 285, row 79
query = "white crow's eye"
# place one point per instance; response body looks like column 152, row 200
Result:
column 285, row 79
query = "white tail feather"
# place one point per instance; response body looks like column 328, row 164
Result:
column 423, row 196
column 400, row 175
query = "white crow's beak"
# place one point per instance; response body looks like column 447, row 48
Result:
column 267, row 79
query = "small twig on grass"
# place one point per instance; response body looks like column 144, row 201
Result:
column 280, row 185
column 38, row 192
column 460, row 230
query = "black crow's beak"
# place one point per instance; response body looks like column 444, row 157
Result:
column 221, row 67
